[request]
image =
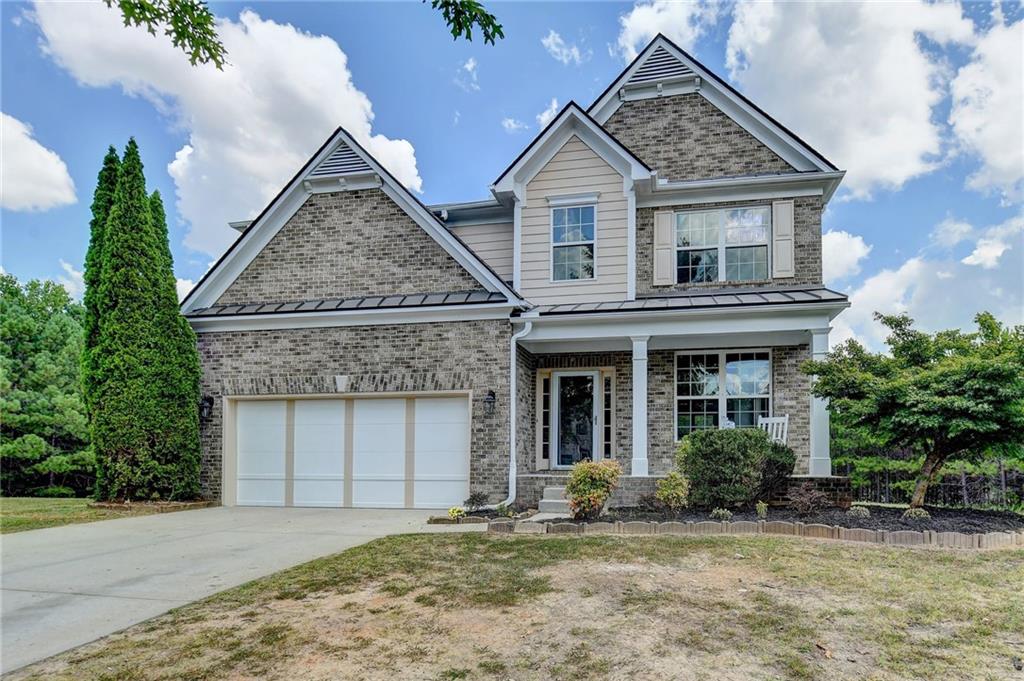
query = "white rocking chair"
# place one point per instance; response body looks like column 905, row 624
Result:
column 777, row 427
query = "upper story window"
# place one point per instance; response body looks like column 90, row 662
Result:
column 572, row 243
column 728, row 244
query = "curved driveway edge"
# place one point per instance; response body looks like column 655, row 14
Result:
column 66, row 586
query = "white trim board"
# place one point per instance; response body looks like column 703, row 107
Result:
column 288, row 202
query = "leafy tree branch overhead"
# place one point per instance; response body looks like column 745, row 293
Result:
column 945, row 395
column 191, row 25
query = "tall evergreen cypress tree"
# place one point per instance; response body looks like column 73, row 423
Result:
column 145, row 425
column 102, row 199
column 179, row 370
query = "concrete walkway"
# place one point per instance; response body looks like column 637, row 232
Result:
column 65, row 586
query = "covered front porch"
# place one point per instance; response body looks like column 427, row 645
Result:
column 697, row 367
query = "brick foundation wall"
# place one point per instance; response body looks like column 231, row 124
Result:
column 807, row 247
column 686, row 137
column 836, row 487
column 530, row 488
column 348, row 244
column 394, row 358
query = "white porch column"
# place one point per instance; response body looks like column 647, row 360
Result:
column 821, row 459
column 639, row 464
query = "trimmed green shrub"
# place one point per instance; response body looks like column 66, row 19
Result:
column 916, row 513
column 859, row 512
column 589, row 487
column 732, row 467
column 762, row 510
column 475, row 501
column 721, row 514
column 673, row 491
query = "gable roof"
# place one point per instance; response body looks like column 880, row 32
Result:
column 339, row 164
column 571, row 120
column 663, row 68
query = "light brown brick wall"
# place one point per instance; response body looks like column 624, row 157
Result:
column 807, row 247
column 348, row 244
column 686, row 137
column 396, row 358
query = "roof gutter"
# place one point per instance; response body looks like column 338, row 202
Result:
column 513, row 397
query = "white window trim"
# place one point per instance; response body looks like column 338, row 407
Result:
column 552, row 245
column 721, row 396
column 722, row 245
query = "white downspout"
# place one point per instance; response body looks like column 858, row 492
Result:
column 513, row 396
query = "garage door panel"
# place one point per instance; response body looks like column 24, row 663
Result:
column 438, row 472
column 261, row 445
column 378, row 492
column 441, row 468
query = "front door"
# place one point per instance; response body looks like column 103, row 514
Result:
column 575, row 409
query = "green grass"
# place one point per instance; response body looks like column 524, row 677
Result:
column 477, row 606
column 18, row 514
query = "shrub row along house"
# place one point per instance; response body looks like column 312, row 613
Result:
column 645, row 267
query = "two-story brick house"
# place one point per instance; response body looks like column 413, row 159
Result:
column 645, row 267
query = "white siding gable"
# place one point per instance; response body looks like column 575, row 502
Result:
column 575, row 169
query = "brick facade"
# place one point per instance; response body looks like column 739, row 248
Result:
column 471, row 356
column 348, row 244
column 686, row 137
column 807, row 247
column 790, row 395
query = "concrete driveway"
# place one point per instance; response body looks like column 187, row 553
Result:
column 65, row 586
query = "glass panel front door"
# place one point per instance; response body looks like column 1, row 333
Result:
column 575, row 419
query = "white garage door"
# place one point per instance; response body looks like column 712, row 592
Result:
column 405, row 452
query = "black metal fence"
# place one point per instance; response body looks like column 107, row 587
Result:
column 1001, row 487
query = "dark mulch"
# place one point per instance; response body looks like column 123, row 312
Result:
column 882, row 518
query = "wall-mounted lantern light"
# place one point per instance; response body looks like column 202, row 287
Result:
column 489, row 402
column 205, row 407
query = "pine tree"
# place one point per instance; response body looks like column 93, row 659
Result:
column 102, row 199
column 145, row 422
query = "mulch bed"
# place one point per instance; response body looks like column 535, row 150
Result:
column 882, row 518
column 157, row 506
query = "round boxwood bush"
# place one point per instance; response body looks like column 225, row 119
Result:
column 732, row 467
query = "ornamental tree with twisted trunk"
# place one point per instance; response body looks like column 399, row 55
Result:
column 943, row 395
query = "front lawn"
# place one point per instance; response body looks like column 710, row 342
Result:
column 18, row 514
column 477, row 606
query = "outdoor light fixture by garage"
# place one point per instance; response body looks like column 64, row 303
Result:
column 489, row 402
column 205, row 407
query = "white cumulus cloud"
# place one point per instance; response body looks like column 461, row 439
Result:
column 995, row 241
column 512, row 125
column 855, row 80
column 841, row 254
column 567, row 53
column 548, row 114
column 940, row 292
column 183, row 286
column 72, row 280
column 988, row 110
column 682, row 22
column 951, row 231
column 34, row 178
column 466, row 76
column 250, row 127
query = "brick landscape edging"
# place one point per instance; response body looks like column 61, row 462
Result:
column 930, row 538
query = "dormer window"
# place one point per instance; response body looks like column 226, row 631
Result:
column 572, row 242
column 722, row 245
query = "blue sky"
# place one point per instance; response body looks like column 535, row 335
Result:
column 921, row 104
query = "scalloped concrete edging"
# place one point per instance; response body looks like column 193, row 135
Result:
column 912, row 538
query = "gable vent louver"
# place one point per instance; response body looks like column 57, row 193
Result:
column 342, row 161
column 659, row 66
